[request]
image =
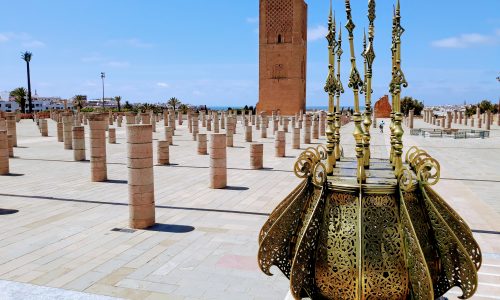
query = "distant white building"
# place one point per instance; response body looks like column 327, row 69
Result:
column 38, row 103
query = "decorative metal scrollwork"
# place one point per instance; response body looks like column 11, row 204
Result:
column 406, row 179
column 309, row 164
column 427, row 168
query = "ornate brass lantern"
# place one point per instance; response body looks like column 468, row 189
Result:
column 366, row 228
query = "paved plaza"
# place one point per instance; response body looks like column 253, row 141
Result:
column 70, row 239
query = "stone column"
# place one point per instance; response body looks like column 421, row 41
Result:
column 129, row 118
column 295, row 138
column 168, row 135
column 229, row 134
column 218, row 164
column 202, row 144
column 479, row 121
column 307, row 129
column 433, row 120
column 140, row 176
column 248, row 134
column 443, row 122
column 4, row 153
column 67, row 127
column 179, row 118
column 98, row 168
column 195, row 121
column 275, row 125
column 152, row 120
column 472, row 122
column 203, row 119
column 256, row 156
column 216, row 122
column 279, row 144
column 263, row 128
column 448, row 119
column 119, row 120
column 466, row 120
column 163, row 153
column 257, row 122
column 44, row 127
column 223, row 120
column 322, row 123
column 10, row 144
column 455, row 116
column 460, row 117
column 79, row 143
column 315, row 127
column 410, row 118
column 209, row 123
column 112, row 135
column 10, row 119
column 498, row 117
column 286, row 122
column 488, row 120
column 171, row 120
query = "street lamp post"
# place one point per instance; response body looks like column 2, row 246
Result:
column 102, row 77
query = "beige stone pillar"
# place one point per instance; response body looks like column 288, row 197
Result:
column 279, row 144
column 218, row 164
column 257, row 122
column 79, row 143
column 223, row 121
column 498, row 117
column 472, row 122
column 216, row 122
column 44, row 127
column 168, row 135
column 152, row 119
column 460, row 117
column 3, row 123
column 4, row 153
column 488, row 120
column 448, row 119
column 112, row 135
column 10, row 119
column 140, row 176
column 410, row 118
column 286, row 122
column 163, row 153
column 10, row 144
column 443, row 122
column 190, row 121
column 67, row 120
column 171, row 120
column 263, row 128
column 98, row 168
column 195, row 121
column 256, row 156
column 315, row 127
column 295, row 138
column 209, row 123
column 179, row 118
column 119, row 121
column 202, row 144
column 307, row 129
column 129, row 118
column 60, row 132
column 479, row 122
column 248, row 133
column 203, row 119
column 229, row 135
column 322, row 123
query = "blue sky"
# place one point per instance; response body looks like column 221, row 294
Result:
column 206, row 52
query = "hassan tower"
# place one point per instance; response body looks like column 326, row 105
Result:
column 282, row 56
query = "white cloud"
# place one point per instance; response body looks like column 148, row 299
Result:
column 132, row 42
column 118, row 64
column 163, row 84
column 34, row 44
column 468, row 40
column 252, row 20
column 316, row 33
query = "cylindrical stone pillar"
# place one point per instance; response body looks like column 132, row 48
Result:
column 263, row 128
column 4, row 153
column 44, row 127
column 112, row 135
column 279, row 144
column 256, row 156
column 216, row 122
column 315, row 127
column 10, row 119
column 67, row 120
column 488, row 120
column 295, row 138
column 248, row 134
column 307, row 129
column 168, row 135
column 98, row 168
column 140, row 176
column 218, row 165
column 10, row 144
column 202, row 144
column 194, row 119
column 163, row 153
column 410, row 118
column 229, row 135
column 79, row 143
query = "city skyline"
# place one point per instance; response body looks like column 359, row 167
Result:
column 207, row 53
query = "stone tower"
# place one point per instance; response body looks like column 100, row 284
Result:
column 282, row 56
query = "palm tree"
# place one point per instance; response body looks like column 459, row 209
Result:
column 173, row 102
column 20, row 95
column 118, row 99
column 26, row 56
column 79, row 101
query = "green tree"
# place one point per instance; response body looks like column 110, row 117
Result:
column 19, row 95
column 26, row 56
column 118, row 99
column 79, row 101
column 408, row 103
column 128, row 106
column 183, row 108
column 485, row 106
column 173, row 103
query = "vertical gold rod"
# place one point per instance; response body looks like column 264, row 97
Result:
column 369, row 56
column 355, row 83
column 391, row 87
column 398, row 81
column 340, row 90
column 330, row 88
